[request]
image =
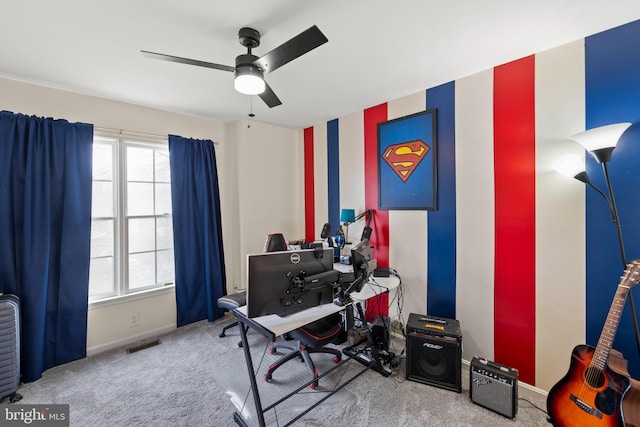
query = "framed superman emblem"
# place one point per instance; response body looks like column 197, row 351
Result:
column 407, row 162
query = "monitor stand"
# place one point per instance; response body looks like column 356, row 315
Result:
column 366, row 352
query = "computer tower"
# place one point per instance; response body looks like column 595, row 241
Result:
column 380, row 332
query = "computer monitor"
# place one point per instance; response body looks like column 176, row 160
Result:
column 363, row 265
column 284, row 283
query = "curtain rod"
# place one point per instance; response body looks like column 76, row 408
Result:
column 134, row 133
column 127, row 132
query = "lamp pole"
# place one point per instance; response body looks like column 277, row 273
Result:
column 613, row 209
column 623, row 255
column 602, row 153
column 600, row 142
column 616, row 220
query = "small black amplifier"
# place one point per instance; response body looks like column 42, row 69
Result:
column 494, row 386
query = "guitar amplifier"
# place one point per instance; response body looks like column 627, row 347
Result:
column 434, row 351
column 494, row 386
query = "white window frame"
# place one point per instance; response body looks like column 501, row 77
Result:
column 121, row 141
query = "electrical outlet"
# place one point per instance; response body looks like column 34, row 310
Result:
column 134, row 320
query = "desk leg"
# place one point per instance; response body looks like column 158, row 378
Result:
column 371, row 342
column 238, row 418
column 377, row 361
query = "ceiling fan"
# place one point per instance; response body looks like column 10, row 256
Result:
column 250, row 69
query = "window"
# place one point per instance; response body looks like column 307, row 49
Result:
column 131, row 227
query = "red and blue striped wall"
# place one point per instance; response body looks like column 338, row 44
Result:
column 541, row 276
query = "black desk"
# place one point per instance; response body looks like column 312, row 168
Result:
column 272, row 326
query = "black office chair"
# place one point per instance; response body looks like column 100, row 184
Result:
column 230, row 302
column 275, row 242
column 312, row 338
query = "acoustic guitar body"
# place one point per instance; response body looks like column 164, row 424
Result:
column 586, row 396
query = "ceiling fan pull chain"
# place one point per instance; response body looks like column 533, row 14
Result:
column 251, row 115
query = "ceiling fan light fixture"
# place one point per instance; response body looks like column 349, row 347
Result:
column 249, row 80
column 249, row 70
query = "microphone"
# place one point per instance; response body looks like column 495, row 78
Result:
column 366, row 232
column 326, row 229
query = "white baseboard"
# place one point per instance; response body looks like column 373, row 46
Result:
column 92, row 351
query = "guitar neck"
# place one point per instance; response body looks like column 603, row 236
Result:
column 605, row 343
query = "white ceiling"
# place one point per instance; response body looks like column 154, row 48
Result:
column 377, row 50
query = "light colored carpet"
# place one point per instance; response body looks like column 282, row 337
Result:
column 195, row 378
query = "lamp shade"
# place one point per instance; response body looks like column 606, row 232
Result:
column 347, row 215
column 601, row 141
column 569, row 165
column 572, row 167
column 249, row 80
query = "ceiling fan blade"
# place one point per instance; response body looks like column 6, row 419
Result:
column 292, row 49
column 269, row 97
column 187, row 61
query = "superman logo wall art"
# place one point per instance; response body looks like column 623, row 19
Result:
column 407, row 162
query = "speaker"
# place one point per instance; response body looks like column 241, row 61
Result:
column 494, row 386
column 380, row 332
column 434, row 351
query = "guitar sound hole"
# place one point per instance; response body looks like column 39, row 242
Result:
column 594, row 377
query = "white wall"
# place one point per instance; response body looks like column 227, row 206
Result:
column 475, row 212
column 268, row 186
column 253, row 174
column 110, row 326
column 560, row 209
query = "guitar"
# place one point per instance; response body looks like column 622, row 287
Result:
column 597, row 390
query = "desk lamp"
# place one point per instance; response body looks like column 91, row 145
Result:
column 366, row 232
column 600, row 143
column 347, row 216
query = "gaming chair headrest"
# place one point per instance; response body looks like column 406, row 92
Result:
column 275, row 242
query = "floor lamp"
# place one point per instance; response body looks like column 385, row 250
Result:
column 601, row 142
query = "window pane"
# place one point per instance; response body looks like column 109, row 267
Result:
column 165, row 266
column 102, row 162
column 162, row 167
column 139, row 199
column 163, row 199
column 164, row 233
column 101, row 238
column 139, row 164
column 101, row 276
column 142, row 270
column 142, row 235
column 102, row 199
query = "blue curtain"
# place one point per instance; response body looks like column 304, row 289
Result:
column 45, row 229
column 197, row 230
